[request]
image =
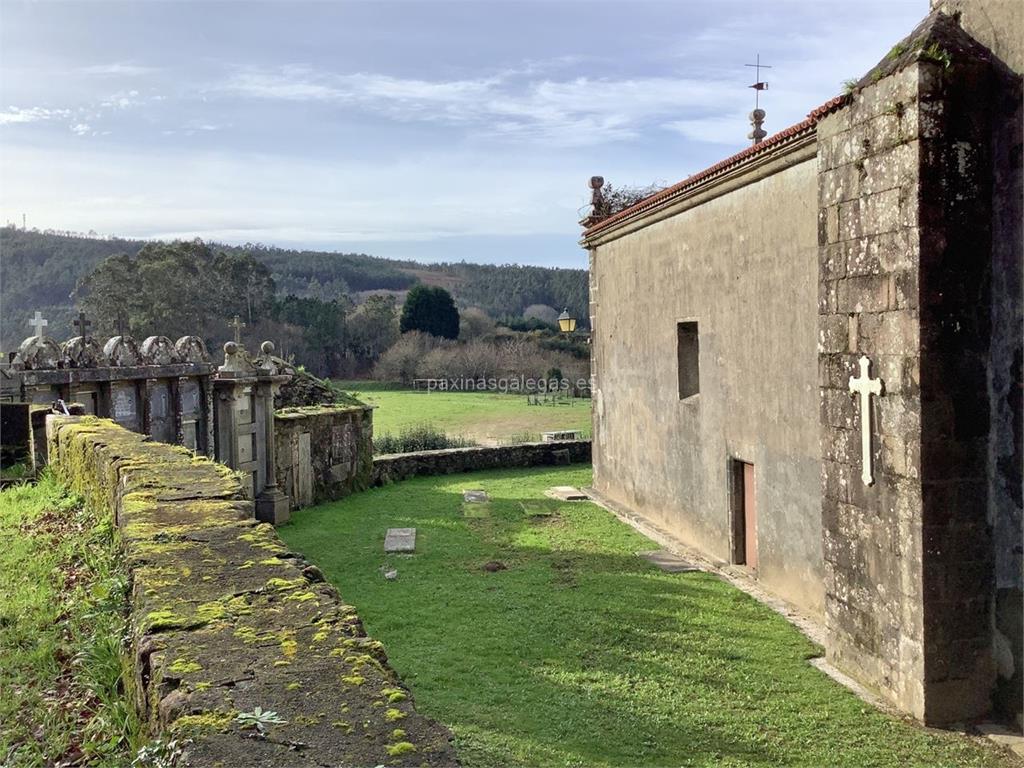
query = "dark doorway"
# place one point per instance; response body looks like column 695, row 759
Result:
column 744, row 514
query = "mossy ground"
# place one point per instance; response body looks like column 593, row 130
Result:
column 62, row 614
column 582, row 654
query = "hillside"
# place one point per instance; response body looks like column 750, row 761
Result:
column 39, row 271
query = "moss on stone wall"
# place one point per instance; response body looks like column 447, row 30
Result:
column 224, row 619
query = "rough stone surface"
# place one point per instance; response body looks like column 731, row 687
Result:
column 566, row 493
column 323, row 452
column 746, row 273
column 401, row 466
column 909, row 560
column 400, row 540
column 224, row 619
column 914, row 259
column 667, row 561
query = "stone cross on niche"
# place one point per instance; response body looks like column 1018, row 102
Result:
column 865, row 386
column 38, row 323
column 238, row 325
column 122, row 325
column 82, row 325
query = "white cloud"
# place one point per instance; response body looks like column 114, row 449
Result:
column 80, row 129
column 31, row 115
column 117, row 69
column 579, row 111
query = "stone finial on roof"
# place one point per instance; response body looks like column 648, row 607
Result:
column 191, row 349
column 269, row 362
column 758, row 133
column 158, row 350
column 122, row 351
column 83, row 352
column 598, row 205
column 236, row 362
column 37, row 353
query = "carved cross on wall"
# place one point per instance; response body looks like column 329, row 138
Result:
column 238, row 325
column 83, row 326
column 865, row 386
column 38, row 323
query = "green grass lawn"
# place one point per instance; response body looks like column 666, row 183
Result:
column 579, row 653
column 62, row 602
column 485, row 417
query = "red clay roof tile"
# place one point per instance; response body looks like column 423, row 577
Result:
column 739, row 158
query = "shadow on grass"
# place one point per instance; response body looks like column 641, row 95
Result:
column 579, row 652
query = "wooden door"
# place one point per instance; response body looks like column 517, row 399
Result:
column 749, row 517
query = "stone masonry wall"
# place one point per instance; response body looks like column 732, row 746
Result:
column 323, row 452
column 868, row 305
column 401, row 466
column 904, row 234
column 224, row 619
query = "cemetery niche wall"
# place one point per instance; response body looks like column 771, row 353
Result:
column 159, row 388
column 174, row 393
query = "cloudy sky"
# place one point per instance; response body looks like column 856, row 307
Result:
column 427, row 130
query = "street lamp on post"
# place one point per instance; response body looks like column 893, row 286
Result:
column 566, row 322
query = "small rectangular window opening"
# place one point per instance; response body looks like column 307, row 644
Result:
column 688, row 350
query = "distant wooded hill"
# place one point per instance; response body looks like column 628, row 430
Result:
column 39, row 271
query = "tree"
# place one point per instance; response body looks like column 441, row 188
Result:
column 175, row 289
column 373, row 327
column 323, row 328
column 542, row 312
column 474, row 323
column 431, row 310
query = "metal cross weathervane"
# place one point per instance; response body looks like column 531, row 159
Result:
column 38, row 323
column 759, row 85
column 865, row 386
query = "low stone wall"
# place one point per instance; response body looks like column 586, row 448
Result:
column 225, row 620
column 323, row 452
column 393, row 467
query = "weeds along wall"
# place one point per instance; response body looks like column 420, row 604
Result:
column 224, row 620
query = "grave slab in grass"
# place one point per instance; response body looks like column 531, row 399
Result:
column 667, row 561
column 475, row 497
column 566, row 493
column 400, row 540
column 536, row 509
column 476, row 509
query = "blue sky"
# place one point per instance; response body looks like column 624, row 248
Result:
column 426, row 130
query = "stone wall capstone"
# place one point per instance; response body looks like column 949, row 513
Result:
column 391, row 468
column 225, row 619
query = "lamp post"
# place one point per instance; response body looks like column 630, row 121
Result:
column 566, row 322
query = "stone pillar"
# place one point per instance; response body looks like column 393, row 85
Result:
column 235, row 415
column 903, row 278
column 272, row 505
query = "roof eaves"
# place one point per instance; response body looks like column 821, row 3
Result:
column 772, row 143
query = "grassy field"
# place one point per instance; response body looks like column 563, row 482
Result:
column 62, row 603
column 579, row 653
column 487, row 418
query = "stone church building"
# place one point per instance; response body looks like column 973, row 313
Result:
column 807, row 363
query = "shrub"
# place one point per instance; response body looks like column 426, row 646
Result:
column 421, row 437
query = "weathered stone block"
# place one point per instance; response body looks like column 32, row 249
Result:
column 865, row 293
